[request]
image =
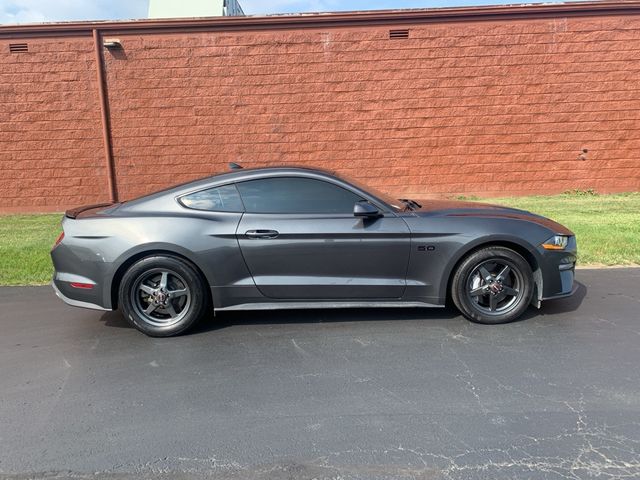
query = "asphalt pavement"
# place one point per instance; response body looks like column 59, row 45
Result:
column 346, row 394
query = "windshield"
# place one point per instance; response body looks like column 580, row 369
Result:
column 388, row 199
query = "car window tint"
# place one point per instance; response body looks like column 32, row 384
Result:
column 219, row 199
column 295, row 195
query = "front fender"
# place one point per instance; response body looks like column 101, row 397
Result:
column 518, row 244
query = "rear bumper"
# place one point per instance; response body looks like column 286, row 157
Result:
column 81, row 276
column 76, row 303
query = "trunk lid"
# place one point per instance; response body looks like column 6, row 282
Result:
column 90, row 210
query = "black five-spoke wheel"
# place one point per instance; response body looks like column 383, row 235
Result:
column 493, row 285
column 162, row 295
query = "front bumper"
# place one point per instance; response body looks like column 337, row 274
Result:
column 558, row 272
column 562, row 295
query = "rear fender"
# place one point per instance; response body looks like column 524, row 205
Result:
column 128, row 258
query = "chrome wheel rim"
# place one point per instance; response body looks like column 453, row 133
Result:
column 495, row 287
column 161, row 297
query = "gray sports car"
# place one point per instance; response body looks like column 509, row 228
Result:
column 274, row 238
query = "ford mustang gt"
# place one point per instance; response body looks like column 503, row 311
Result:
column 274, row 238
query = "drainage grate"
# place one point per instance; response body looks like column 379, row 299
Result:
column 398, row 34
column 18, row 47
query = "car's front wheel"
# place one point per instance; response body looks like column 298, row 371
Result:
column 162, row 296
column 492, row 285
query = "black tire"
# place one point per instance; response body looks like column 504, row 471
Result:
column 163, row 296
column 483, row 295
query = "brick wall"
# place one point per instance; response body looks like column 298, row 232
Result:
column 486, row 108
column 50, row 134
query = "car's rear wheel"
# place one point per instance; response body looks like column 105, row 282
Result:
column 492, row 285
column 162, row 296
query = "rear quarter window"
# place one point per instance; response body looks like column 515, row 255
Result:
column 218, row 199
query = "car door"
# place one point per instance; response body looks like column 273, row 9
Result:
column 300, row 240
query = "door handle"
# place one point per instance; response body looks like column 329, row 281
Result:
column 262, row 233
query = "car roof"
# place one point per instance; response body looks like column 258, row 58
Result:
column 250, row 172
column 257, row 172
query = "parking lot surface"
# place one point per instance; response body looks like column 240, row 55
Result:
column 353, row 394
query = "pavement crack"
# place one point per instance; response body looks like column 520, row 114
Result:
column 299, row 349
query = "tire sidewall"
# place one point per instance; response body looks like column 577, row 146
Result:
column 194, row 282
column 459, row 285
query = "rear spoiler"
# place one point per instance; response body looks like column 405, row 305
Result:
column 75, row 212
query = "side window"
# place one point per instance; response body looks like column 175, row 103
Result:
column 218, row 199
column 295, row 195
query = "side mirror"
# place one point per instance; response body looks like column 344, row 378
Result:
column 366, row 210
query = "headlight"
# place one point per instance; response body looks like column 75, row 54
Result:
column 557, row 242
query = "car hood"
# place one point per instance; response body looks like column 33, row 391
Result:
column 456, row 208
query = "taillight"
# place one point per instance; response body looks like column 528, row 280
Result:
column 58, row 240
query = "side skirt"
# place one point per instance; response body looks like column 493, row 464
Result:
column 326, row 304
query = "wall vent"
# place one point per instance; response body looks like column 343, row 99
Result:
column 18, row 47
column 398, row 34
